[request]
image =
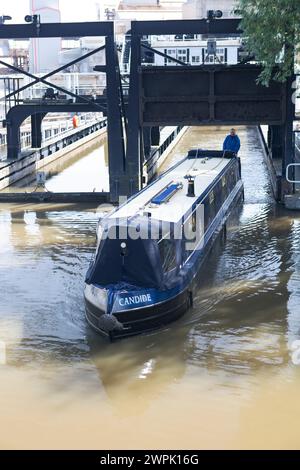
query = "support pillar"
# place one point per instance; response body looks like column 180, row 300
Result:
column 275, row 141
column 133, row 156
column 155, row 135
column 147, row 142
column 36, row 129
column 117, row 179
column 288, row 138
column 14, row 119
column 13, row 141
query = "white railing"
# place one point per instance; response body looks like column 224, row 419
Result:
column 51, row 131
column 38, row 91
column 287, row 173
column 84, row 121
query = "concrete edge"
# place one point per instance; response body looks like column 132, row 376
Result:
column 166, row 153
column 274, row 178
column 33, row 162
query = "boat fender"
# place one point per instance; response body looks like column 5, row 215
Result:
column 109, row 323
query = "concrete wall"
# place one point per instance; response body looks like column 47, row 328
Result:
column 10, row 173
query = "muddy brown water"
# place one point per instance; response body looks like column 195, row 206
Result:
column 226, row 375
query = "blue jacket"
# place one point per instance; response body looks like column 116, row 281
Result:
column 232, row 142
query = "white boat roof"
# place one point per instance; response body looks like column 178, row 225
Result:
column 204, row 170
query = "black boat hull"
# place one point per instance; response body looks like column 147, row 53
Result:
column 137, row 321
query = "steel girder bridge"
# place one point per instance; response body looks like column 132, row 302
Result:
column 158, row 96
column 112, row 106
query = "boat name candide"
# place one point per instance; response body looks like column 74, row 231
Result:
column 136, row 299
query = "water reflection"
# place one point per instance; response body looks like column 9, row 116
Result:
column 83, row 170
column 134, row 373
column 201, row 382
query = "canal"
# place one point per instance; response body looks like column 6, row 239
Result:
column 224, row 376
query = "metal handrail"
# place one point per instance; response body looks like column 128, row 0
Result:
column 287, row 173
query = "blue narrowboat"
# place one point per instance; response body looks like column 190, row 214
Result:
column 150, row 249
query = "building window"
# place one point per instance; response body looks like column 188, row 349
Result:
column 182, row 55
column 195, row 59
column 172, row 53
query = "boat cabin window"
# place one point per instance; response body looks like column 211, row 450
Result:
column 218, row 196
column 167, row 254
column 210, row 208
column 224, row 187
column 190, row 227
column 232, row 178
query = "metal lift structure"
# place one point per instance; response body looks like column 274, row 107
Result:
column 203, row 95
column 111, row 105
column 158, row 96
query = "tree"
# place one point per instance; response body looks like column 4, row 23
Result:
column 272, row 33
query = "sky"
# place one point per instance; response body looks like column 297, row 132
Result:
column 71, row 10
